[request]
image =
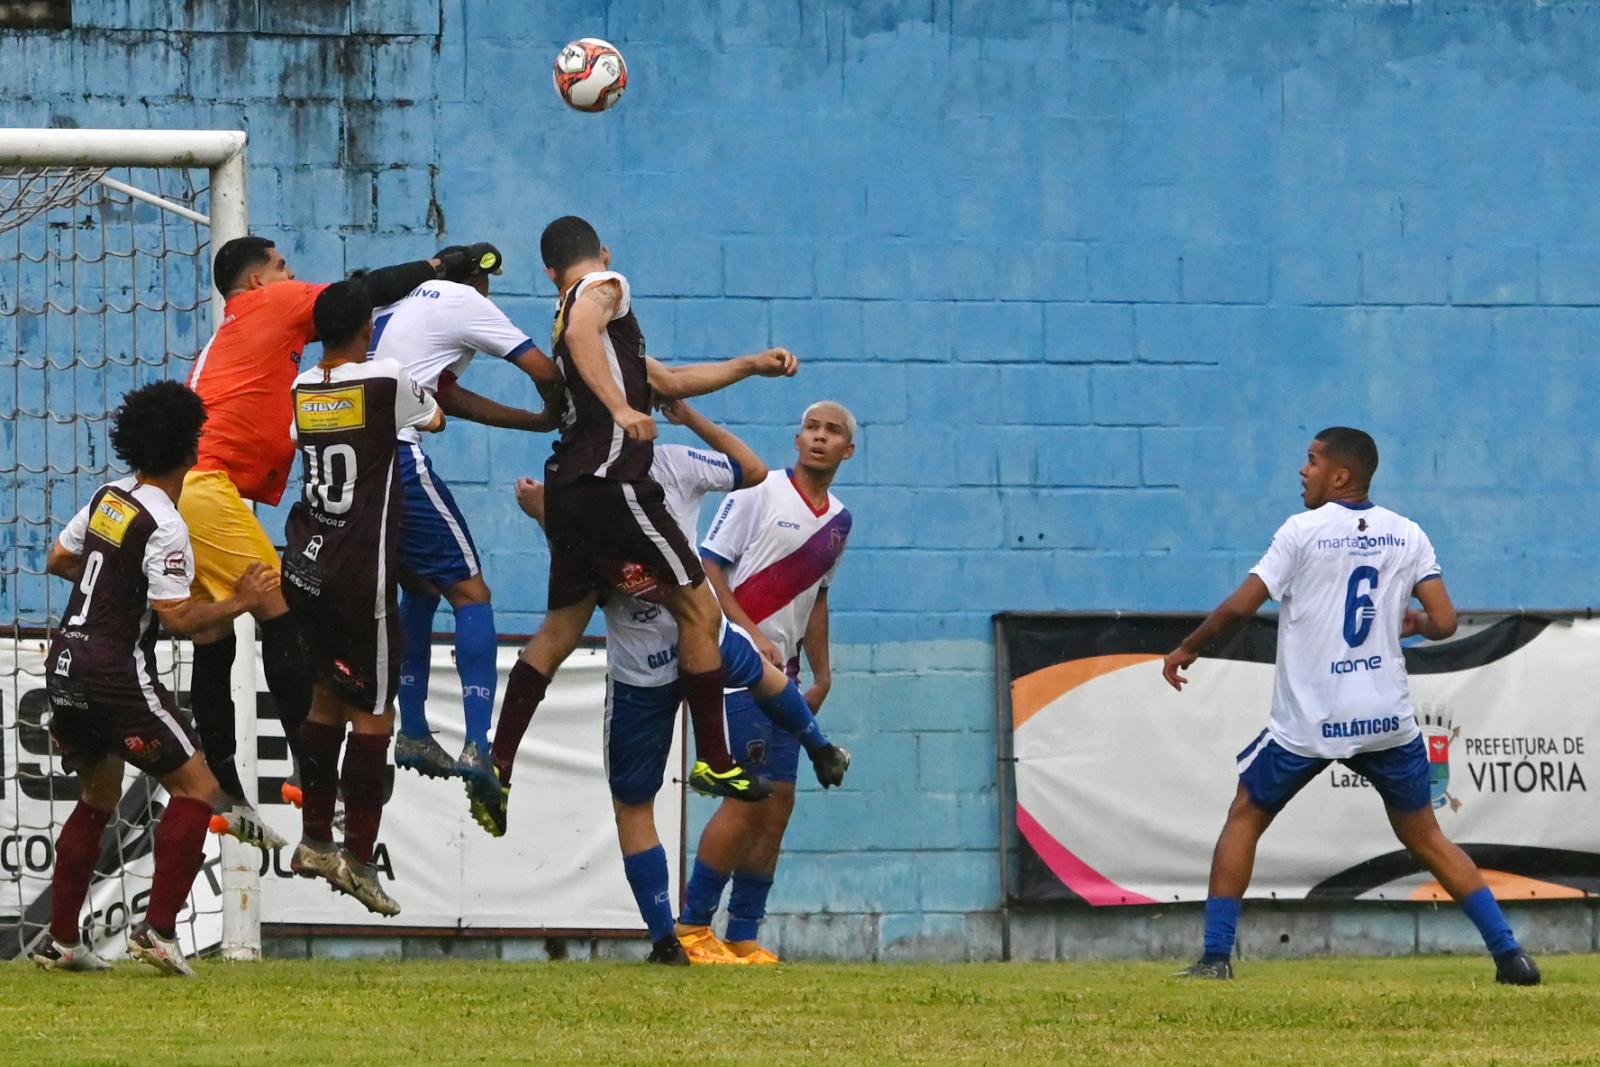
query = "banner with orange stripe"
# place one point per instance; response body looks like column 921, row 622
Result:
column 1122, row 784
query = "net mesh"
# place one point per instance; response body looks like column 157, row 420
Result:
column 99, row 293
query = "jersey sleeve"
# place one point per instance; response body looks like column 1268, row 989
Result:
column 414, row 406
column 72, row 537
column 169, row 561
column 488, row 330
column 293, row 302
column 1277, row 567
column 1426, row 563
column 732, row 529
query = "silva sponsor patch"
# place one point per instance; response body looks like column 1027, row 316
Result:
column 112, row 517
column 331, row 409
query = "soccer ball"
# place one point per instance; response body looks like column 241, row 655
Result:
column 590, row 74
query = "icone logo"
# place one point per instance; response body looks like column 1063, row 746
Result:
column 1351, row 666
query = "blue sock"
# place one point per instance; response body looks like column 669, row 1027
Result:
column 416, row 623
column 791, row 712
column 475, row 650
column 747, row 905
column 647, row 876
column 1222, row 923
column 704, row 893
column 1485, row 913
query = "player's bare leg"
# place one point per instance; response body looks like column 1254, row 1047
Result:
column 1419, row 832
column 1232, row 863
column 179, row 854
column 699, row 619
column 350, row 869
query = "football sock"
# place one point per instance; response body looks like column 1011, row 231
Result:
column 1222, row 924
column 211, row 700
column 180, row 850
column 288, row 670
column 475, row 652
column 703, row 894
column 647, row 877
column 319, row 779
column 416, row 625
column 365, row 757
column 524, row 690
column 703, row 691
column 747, row 904
column 791, row 712
column 77, row 850
column 1485, row 913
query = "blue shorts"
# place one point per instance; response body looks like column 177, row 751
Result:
column 742, row 665
column 639, row 724
column 1273, row 775
column 435, row 544
column 758, row 743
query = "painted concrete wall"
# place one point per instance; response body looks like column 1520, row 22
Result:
column 1089, row 273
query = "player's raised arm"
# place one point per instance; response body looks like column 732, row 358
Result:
column 698, row 379
column 462, row 403
column 593, row 311
column 1245, row 602
column 752, row 470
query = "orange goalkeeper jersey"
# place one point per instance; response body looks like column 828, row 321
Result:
column 246, row 377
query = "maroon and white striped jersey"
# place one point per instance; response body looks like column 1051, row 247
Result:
column 591, row 441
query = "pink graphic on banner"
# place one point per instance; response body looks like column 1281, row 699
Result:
column 1075, row 874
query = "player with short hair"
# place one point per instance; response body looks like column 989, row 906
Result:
column 772, row 553
column 434, row 332
column 1344, row 573
column 244, row 375
column 607, row 522
column 642, row 692
column 127, row 554
column 342, row 553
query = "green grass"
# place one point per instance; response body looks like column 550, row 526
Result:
column 293, row 1013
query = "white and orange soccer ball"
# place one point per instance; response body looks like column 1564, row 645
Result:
column 590, row 74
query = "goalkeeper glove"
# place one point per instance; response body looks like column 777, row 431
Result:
column 457, row 263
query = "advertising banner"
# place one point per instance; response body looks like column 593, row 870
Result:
column 1122, row 784
column 558, row 867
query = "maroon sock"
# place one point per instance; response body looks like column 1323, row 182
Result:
column 180, row 850
column 366, row 758
column 703, row 691
column 77, row 850
column 524, row 690
column 319, row 779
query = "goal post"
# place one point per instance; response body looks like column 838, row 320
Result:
column 64, row 166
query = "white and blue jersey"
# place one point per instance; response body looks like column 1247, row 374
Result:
column 1343, row 576
column 436, row 329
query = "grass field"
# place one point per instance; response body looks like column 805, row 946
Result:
column 1405, row 1011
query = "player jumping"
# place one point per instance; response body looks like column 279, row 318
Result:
column 1344, row 573
column 244, row 376
column 433, row 333
column 128, row 555
column 642, row 693
column 607, row 522
column 771, row 554
column 342, row 553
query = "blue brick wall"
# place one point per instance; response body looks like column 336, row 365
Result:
column 1090, row 273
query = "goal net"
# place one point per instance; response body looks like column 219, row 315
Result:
column 105, row 285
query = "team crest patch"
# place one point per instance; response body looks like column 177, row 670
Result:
column 1438, row 730
column 112, row 517
column 331, row 409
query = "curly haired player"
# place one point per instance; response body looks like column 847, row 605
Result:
column 127, row 554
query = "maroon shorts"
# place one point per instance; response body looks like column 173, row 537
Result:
column 353, row 652
column 607, row 534
column 139, row 724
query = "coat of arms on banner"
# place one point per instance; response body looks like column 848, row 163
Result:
column 1438, row 730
